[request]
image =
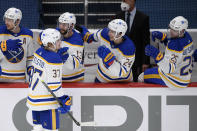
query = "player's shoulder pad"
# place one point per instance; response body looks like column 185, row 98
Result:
column 26, row 31
column 3, row 30
column 188, row 36
column 127, row 47
column 75, row 39
column 104, row 34
column 49, row 56
column 175, row 45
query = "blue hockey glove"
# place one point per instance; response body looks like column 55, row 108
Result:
column 63, row 52
column 106, row 55
column 153, row 52
column 159, row 35
column 66, row 100
column 85, row 34
column 10, row 44
column 195, row 55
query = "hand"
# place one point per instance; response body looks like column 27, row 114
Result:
column 153, row 52
column 106, row 55
column 10, row 44
column 66, row 100
column 159, row 35
column 144, row 67
column 82, row 29
column 85, row 34
column 63, row 52
column 79, row 28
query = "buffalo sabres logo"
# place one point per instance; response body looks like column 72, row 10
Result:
column 14, row 56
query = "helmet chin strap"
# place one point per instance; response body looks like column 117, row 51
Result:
column 15, row 25
column 54, row 49
column 180, row 35
column 116, row 38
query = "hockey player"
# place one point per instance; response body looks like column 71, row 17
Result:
column 47, row 66
column 175, row 65
column 16, row 45
column 116, row 52
column 73, row 68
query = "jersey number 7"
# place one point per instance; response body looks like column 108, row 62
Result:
column 185, row 70
column 33, row 71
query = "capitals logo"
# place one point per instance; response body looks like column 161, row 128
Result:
column 14, row 56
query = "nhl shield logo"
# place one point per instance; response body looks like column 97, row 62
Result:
column 14, row 56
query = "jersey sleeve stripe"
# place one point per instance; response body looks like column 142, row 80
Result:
column 103, row 73
column 41, row 104
column 172, row 82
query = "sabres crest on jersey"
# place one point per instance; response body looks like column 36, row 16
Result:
column 15, row 55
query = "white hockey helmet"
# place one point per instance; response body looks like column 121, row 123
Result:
column 68, row 18
column 13, row 13
column 179, row 23
column 50, row 36
column 119, row 26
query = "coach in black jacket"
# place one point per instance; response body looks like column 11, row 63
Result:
column 138, row 31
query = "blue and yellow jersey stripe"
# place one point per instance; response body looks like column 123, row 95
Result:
column 13, row 74
column 74, row 77
column 174, row 81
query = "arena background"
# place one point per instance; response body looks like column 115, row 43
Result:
column 97, row 13
column 134, row 106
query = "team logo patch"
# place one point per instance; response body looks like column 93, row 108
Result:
column 14, row 56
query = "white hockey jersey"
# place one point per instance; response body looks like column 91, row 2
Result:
column 47, row 65
column 175, row 68
column 14, row 63
column 73, row 68
column 120, row 70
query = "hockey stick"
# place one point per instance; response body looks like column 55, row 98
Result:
column 71, row 116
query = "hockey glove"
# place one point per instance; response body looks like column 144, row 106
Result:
column 79, row 28
column 195, row 55
column 85, row 34
column 66, row 100
column 10, row 44
column 106, row 55
column 160, row 36
column 153, row 52
column 63, row 52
